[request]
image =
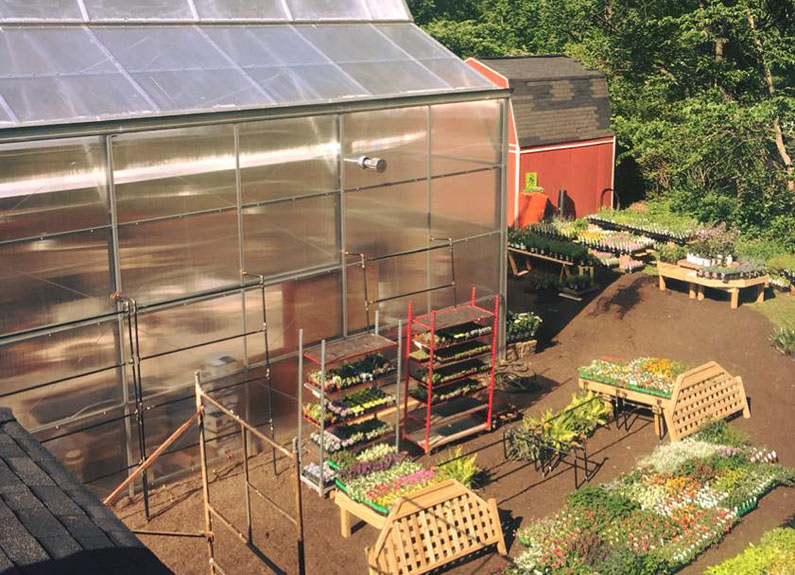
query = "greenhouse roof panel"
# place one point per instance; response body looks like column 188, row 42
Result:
column 88, row 73
column 196, row 11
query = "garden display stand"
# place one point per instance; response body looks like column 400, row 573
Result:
column 697, row 284
column 442, row 523
column 699, row 396
column 524, row 256
column 437, row 423
column 338, row 353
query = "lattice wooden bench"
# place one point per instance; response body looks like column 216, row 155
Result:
column 700, row 395
column 433, row 527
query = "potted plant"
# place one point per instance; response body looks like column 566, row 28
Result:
column 784, row 340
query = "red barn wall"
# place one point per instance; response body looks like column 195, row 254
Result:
column 583, row 169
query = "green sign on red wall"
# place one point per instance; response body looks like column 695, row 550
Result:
column 530, row 181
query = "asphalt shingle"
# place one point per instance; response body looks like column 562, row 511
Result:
column 49, row 523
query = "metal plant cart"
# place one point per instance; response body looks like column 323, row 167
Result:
column 445, row 353
column 318, row 375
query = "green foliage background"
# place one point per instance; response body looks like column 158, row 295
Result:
column 692, row 106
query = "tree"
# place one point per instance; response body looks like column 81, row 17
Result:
column 702, row 91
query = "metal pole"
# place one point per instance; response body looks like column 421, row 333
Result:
column 249, row 531
column 322, row 449
column 299, row 508
column 398, row 383
column 208, row 519
column 300, row 395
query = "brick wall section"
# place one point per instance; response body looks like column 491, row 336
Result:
column 50, row 524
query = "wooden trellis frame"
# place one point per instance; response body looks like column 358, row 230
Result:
column 700, row 395
column 433, row 527
column 213, row 515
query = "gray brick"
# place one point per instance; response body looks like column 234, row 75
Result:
column 23, row 549
column 28, row 471
column 21, row 499
column 56, row 500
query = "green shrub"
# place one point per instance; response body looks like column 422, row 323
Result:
column 456, row 465
column 721, row 433
column 784, row 339
column 775, row 555
column 593, row 497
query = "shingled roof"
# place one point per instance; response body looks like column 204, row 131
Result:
column 50, row 524
column 555, row 99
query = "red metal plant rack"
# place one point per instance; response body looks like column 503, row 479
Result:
column 437, row 423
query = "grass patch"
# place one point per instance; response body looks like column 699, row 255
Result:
column 779, row 310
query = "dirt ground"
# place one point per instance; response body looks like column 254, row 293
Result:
column 629, row 317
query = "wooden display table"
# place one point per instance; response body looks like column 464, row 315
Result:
column 515, row 254
column 427, row 529
column 699, row 396
column 697, row 284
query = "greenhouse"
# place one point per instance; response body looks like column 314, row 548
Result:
column 186, row 184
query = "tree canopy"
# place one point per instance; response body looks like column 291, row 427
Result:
column 702, row 91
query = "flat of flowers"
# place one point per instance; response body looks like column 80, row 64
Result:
column 351, row 347
column 454, row 316
column 443, row 433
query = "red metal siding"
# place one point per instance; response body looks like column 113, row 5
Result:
column 584, row 171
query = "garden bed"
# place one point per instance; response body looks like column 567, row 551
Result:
column 658, row 517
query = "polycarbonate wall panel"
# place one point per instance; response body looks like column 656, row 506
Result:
column 163, row 330
column 180, row 69
column 201, row 10
column 288, row 158
column 465, row 205
column 291, row 236
column 477, row 264
column 50, row 357
column 54, row 280
column 93, row 449
column 170, row 172
column 328, row 10
column 388, row 10
column 466, row 136
column 40, row 10
column 54, row 73
column 176, row 202
column 52, row 187
column 386, row 220
column 399, row 136
column 168, row 259
column 154, row 10
column 101, row 72
column 240, row 9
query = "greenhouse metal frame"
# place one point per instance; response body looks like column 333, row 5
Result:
column 175, row 209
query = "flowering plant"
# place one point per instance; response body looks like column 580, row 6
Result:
column 647, row 374
column 677, row 502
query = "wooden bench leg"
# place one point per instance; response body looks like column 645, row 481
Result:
column 735, row 303
column 512, row 262
column 691, row 289
column 345, row 523
column 700, row 293
column 662, row 283
column 760, row 296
